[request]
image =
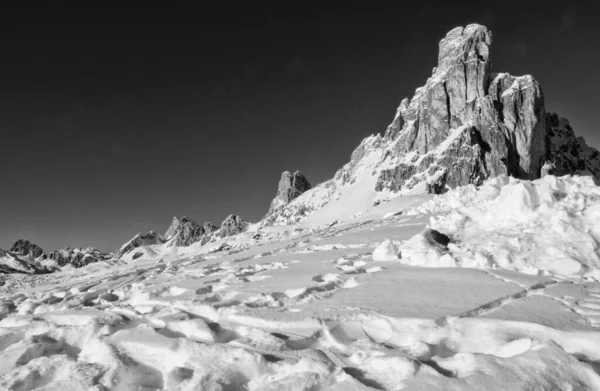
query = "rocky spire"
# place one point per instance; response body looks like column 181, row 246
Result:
column 186, row 231
column 232, row 225
column 466, row 124
column 290, row 187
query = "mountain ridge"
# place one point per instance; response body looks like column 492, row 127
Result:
column 463, row 126
column 466, row 124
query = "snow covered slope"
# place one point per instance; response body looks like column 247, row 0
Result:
column 313, row 308
column 365, row 282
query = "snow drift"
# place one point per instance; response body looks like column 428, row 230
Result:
column 548, row 225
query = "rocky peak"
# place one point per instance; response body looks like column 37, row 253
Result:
column 23, row 247
column 290, row 187
column 462, row 45
column 464, row 125
column 566, row 153
column 232, row 225
column 185, row 231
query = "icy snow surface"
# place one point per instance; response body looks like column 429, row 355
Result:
column 336, row 306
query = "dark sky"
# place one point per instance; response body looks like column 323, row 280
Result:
column 115, row 120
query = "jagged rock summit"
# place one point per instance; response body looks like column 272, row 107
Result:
column 232, row 225
column 464, row 125
column 290, row 187
column 184, row 232
column 24, row 247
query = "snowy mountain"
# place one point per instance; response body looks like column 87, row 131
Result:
column 182, row 232
column 27, row 257
column 466, row 124
column 458, row 251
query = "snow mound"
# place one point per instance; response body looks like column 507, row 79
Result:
column 548, row 225
column 386, row 251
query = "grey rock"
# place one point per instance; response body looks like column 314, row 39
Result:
column 209, row 227
column 566, row 153
column 290, row 187
column 186, row 231
column 466, row 124
column 436, row 238
column 24, row 247
column 232, row 225
column 77, row 257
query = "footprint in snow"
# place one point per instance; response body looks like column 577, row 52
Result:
column 589, row 306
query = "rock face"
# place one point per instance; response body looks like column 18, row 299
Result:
column 464, row 125
column 232, row 225
column 291, row 186
column 24, row 247
column 185, row 231
column 566, row 153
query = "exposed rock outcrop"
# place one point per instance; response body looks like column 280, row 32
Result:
column 566, row 153
column 464, row 125
column 209, row 227
column 290, row 187
column 232, row 225
column 77, row 257
column 184, row 232
column 23, row 247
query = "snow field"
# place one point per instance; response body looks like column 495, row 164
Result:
column 332, row 307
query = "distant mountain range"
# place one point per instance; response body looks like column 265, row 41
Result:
column 464, row 125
